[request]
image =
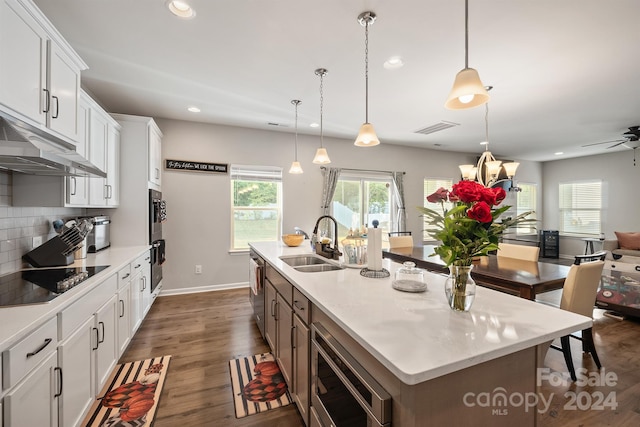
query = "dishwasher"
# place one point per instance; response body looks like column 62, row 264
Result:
column 256, row 288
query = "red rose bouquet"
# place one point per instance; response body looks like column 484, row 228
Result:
column 469, row 229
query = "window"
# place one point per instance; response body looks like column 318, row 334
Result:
column 359, row 199
column 430, row 187
column 580, row 208
column 256, row 205
column 526, row 201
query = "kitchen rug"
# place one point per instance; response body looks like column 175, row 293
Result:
column 258, row 384
column 130, row 396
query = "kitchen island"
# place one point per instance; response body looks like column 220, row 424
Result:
column 436, row 364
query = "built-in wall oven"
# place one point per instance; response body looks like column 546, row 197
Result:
column 157, row 215
column 343, row 393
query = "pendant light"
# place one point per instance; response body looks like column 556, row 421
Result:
column 468, row 91
column 367, row 136
column 295, row 166
column 322, row 157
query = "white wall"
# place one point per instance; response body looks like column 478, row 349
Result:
column 198, row 226
column 621, row 193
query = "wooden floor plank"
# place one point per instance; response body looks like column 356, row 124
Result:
column 204, row 331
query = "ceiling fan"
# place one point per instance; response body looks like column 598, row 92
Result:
column 633, row 134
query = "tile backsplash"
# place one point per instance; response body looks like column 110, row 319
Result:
column 19, row 225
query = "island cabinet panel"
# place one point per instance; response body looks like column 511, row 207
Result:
column 453, row 397
column 287, row 314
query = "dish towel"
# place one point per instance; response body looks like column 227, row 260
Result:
column 253, row 276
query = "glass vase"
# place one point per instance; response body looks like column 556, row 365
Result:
column 460, row 287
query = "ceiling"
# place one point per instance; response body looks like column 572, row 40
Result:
column 564, row 72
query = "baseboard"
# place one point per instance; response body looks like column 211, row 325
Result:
column 198, row 289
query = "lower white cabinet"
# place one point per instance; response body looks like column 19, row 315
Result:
column 124, row 317
column 74, row 358
column 106, row 347
column 140, row 289
column 33, row 401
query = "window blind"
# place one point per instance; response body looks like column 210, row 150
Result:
column 580, row 207
column 256, row 173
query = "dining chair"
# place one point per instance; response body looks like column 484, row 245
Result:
column 400, row 239
column 579, row 296
column 527, row 253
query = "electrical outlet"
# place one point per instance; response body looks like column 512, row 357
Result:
column 198, row 269
column 37, row 241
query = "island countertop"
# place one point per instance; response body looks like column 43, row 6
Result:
column 416, row 336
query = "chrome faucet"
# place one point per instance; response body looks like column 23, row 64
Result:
column 299, row 230
column 325, row 249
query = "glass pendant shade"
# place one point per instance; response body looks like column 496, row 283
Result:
column 296, row 168
column 493, row 167
column 321, row 158
column 367, row 136
column 473, row 173
column 467, row 92
column 510, row 168
column 465, row 170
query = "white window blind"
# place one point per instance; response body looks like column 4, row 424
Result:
column 431, row 185
column 580, row 208
column 256, row 205
column 526, row 201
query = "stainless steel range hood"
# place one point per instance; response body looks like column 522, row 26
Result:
column 29, row 150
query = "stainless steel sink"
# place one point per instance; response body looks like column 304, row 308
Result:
column 297, row 260
column 315, row 268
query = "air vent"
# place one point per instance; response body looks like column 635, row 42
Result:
column 437, row 127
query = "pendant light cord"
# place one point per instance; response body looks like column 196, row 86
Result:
column 296, row 104
column 486, row 125
column 321, row 104
column 366, row 72
column 466, row 33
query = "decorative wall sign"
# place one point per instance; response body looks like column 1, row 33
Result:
column 186, row 165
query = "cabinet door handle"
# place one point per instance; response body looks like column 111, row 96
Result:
column 59, row 370
column 293, row 337
column 295, row 304
column 273, row 308
column 39, row 349
column 277, row 305
column 126, row 275
column 138, row 266
column 97, row 339
column 101, row 324
column 75, row 185
column 157, row 173
column 122, row 307
column 47, row 102
column 55, row 116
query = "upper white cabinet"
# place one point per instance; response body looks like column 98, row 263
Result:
column 39, row 72
column 155, row 157
column 104, row 152
column 140, row 168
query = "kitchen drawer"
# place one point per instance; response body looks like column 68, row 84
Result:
column 124, row 275
column 281, row 284
column 78, row 312
column 301, row 306
column 28, row 353
column 138, row 264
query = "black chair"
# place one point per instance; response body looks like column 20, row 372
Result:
column 598, row 256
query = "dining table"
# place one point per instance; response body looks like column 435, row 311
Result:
column 525, row 279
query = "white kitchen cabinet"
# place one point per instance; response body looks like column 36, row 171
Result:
column 140, row 290
column 33, row 402
column 75, row 360
column 40, row 84
column 155, row 158
column 101, row 136
column 88, row 350
column 131, row 219
column 124, row 309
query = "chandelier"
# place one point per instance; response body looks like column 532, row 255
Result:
column 487, row 170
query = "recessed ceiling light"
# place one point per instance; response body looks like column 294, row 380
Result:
column 194, row 109
column 393, row 63
column 314, row 125
column 558, row 153
column 180, row 9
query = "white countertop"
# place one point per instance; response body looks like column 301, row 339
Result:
column 416, row 335
column 19, row 320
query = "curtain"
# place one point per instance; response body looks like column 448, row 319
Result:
column 402, row 213
column 331, row 176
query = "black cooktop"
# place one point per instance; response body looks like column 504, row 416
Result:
column 41, row 285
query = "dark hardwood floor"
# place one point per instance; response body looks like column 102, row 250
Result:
column 204, row 331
